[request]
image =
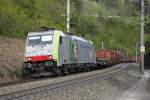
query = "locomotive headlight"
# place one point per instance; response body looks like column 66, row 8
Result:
column 28, row 58
column 50, row 56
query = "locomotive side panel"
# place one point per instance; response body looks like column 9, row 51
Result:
column 64, row 56
column 84, row 52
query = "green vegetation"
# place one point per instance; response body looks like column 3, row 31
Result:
column 116, row 22
column 9, row 73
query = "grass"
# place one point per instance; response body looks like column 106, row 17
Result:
column 10, row 74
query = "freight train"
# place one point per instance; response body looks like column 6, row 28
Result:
column 53, row 52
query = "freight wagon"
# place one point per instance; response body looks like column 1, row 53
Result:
column 134, row 59
column 110, row 57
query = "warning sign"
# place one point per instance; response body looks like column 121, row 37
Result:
column 142, row 48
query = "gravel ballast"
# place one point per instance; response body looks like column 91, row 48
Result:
column 107, row 89
column 20, row 87
column 94, row 90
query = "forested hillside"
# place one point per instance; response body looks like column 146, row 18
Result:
column 116, row 22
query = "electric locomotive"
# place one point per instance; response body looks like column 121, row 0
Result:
column 55, row 52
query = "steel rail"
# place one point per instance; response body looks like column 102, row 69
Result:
column 33, row 91
column 22, row 81
column 16, row 82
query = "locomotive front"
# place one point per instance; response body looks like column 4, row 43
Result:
column 38, row 55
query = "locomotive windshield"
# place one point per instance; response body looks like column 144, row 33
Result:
column 40, row 40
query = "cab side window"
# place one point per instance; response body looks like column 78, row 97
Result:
column 60, row 39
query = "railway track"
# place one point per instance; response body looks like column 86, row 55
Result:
column 15, row 82
column 34, row 79
column 34, row 92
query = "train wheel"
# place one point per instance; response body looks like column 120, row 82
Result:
column 58, row 72
column 78, row 69
column 71, row 70
column 64, row 70
column 87, row 69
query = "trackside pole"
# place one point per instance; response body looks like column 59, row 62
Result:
column 142, row 48
column 68, row 16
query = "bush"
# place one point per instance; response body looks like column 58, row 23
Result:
column 17, row 72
